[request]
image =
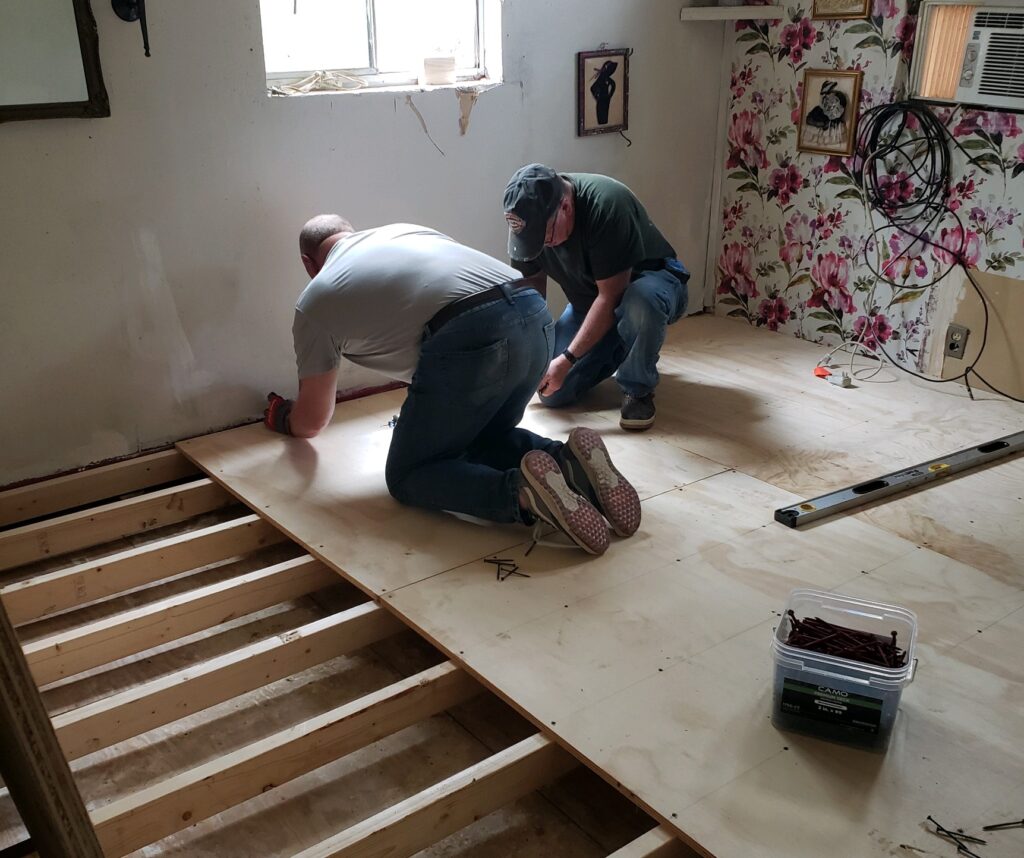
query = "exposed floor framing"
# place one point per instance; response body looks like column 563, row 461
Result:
column 219, row 691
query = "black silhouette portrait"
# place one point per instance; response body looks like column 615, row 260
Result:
column 603, row 88
column 602, row 91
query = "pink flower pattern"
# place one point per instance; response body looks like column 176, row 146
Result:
column 957, row 243
column 785, row 181
column 746, row 141
column 906, row 33
column 797, row 239
column 896, row 189
column 872, row 330
column 961, row 192
column 831, row 274
column 799, row 266
column 884, row 9
column 1004, row 124
column 735, row 270
column 773, row 312
column 796, row 38
column 906, row 260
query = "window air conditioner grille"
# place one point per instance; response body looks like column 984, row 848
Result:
column 999, row 20
column 1003, row 71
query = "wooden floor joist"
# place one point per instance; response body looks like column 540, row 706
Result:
column 31, row 763
column 95, row 526
column 83, row 583
column 95, row 484
column 423, row 819
column 144, row 707
column 656, row 843
column 147, row 816
column 70, row 652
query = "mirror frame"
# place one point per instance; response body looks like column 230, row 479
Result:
column 97, row 104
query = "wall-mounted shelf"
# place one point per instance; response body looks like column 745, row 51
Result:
column 731, row 13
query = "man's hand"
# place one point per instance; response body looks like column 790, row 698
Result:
column 554, row 378
column 276, row 416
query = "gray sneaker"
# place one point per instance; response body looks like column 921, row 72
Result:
column 637, row 412
column 552, row 501
column 588, row 470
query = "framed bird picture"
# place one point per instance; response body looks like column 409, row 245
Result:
column 828, row 114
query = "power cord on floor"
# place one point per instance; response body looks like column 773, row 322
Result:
column 909, row 137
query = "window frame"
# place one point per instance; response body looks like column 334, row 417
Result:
column 376, row 79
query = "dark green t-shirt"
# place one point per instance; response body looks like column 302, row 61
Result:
column 612, row 233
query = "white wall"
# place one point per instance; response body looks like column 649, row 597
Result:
column 148, row 261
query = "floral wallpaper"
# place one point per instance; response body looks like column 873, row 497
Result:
column 795, row 227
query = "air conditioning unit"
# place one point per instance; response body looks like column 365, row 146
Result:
column 970, row 54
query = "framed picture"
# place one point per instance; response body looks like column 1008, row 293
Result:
column 602, row 91
column 840, row 10
column 828, row 114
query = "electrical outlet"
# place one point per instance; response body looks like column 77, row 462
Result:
column 956, row 341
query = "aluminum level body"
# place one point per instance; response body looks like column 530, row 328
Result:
column 900, row 481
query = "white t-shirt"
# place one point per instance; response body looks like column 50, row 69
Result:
column 376, row 292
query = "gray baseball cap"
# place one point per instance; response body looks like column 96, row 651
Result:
column 531, row 198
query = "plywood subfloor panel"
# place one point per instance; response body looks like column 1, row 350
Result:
column 652, row 662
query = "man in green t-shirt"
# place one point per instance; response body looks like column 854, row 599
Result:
column 623, row 281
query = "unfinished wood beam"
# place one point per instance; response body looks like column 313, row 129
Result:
column 100, row 524
column 32, row 764
column 69, row 652
column 183, row 800
column 89, row 582
column 431, row 815
column 61, row 493
column 656, row 843
column 168, row 698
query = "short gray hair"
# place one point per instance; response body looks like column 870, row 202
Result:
column 320, row 228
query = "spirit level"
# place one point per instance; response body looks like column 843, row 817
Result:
column 900, row 481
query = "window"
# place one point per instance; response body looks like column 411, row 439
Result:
column 971, row 54
column 943, row 51
column 370, row 42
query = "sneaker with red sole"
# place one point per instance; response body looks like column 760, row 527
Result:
column 590, row 472
column 551, row 500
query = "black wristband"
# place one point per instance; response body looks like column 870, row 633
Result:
column 569, row 356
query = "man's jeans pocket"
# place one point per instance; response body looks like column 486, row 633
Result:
column 467, row 377
column 549, row 338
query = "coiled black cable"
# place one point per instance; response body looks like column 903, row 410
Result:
column 908, row 137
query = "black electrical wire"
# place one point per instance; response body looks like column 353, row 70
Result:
column 908, row 137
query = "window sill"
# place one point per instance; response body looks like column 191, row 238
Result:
column 477, row 86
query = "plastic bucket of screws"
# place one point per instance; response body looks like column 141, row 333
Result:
column 840, row 667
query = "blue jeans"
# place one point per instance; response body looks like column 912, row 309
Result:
column 457, row 445
column 631, row 348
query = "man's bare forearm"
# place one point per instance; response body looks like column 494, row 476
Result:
column 599, row 321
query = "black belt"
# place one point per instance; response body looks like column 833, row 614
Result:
column 485, row 296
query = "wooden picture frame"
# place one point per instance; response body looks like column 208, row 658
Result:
column 96, row 103
column 602, row 91
column 828, row 112
column 840, row 10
